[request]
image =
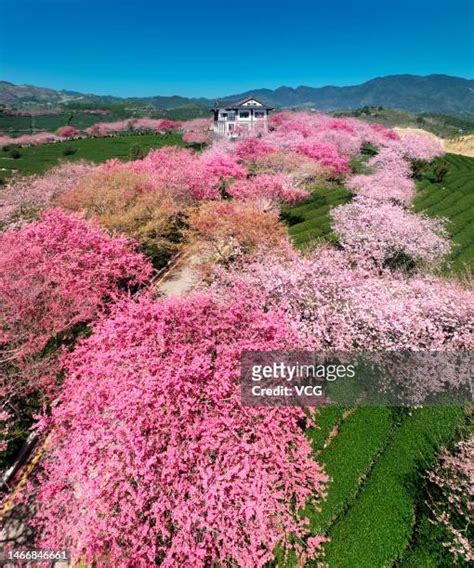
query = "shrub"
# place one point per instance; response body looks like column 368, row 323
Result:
column 69, row 151
column 136, row 152
column 369, row 149
column 14, row 153
column 418, row 167
column 440, row 170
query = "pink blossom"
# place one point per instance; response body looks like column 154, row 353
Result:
column 337, row 306
column 67, row 132
column 277, row 188
column 58, row 272
column 25, row 196
column 419, row 146
column 385, row 133
column 30, row 139
column 222, row 168
column 251, row 149
column 180, row 172
column 383, row 185
column 382, row 233
column 154, row 459
column 325, row 154
column 195, row 137
column 451, row 497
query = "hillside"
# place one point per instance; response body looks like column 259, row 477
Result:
column 441, row 125
column 418, row 94
column 433, row 93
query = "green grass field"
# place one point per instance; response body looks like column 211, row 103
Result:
column 37, row 159
column 374, row 513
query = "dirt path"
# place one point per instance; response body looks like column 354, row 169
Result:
column 181, row 277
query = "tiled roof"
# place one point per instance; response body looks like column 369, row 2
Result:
column 230, row 104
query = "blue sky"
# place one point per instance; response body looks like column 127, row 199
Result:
column 210, row 48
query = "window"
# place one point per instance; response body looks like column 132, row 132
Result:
column 259, row 114
column 244, row 114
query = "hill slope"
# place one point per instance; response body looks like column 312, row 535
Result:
column 433, row 93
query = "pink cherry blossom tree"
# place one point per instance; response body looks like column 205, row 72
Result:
column 382, row 233
column 55, row 274
column 153, row 458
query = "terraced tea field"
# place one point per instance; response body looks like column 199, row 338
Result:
column 309, row 221
column 375, row 514
column 453, row 199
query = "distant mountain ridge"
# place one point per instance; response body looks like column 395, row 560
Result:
column 414, row 93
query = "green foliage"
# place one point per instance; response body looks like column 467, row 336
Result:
column 419, row 167
column 327, row 419
column 14, row 153
column 312, row 216
column 369, row 149
column 348, row 460
column 136, row 152
column 453, row 199
column 378, row 526
column 440, row 169
column 68, row 151
column 426, row 550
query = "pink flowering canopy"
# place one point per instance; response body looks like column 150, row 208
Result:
column 250, row 149
column 25, row 196
column 152, row 457
column 58, row 272
column 67, row 132
column 450, row 498
column 382, row 232
column 275, row 188
column 337, row 306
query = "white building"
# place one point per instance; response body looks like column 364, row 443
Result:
column 236, row 118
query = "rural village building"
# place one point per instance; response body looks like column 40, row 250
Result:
column 234, row 118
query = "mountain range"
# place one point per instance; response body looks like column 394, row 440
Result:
column 414, row 93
